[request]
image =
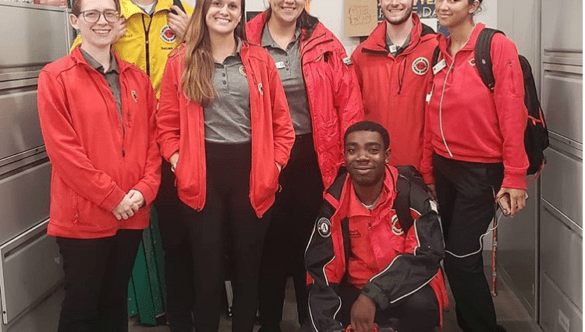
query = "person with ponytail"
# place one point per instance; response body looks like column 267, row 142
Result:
column 224, row 126
column 473, row 153
column 324, row 98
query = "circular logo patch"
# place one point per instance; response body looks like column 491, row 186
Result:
column 472, row 62
column 396, row 227
column 324, row 227
column 167, row 34
column 420, row 66
column 242, row 70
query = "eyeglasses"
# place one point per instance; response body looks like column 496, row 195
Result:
column 92, row 16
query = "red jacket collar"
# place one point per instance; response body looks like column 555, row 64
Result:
column 377, row 40
column 255, row 27
column 444, row 42
column 390, row 178
column 79, row 58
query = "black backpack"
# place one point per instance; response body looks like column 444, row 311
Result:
column 536, row 133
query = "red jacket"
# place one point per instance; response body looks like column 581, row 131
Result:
column 96, row 161
column 406, row 259
column 181, row 129
column 332, row 91
column 394, row 88
column 467, row 122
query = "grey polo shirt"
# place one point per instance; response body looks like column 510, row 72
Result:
column 112, row 76
column 227, row 118
column 396, row 50
column 290, row 71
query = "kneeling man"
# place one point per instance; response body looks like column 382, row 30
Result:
column 374, row 254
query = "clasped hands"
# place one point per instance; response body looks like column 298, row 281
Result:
column 129, row 205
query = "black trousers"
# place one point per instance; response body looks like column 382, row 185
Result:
column 466, row 195
column 418, row 312
column 178, row 260
column 227, row 214
column 97, row 272
column 294, row 215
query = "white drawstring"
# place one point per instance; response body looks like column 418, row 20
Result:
column 498, row 215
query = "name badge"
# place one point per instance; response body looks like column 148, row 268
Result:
column 439, row 66
column 280, row 65
column 392, row 48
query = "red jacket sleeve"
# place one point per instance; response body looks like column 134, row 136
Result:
column 168, row 118
column 348, row 98
column 65, row 150
column 150, row 181
column 511, row 110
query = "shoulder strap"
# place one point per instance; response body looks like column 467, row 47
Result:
column 427, row 30
column 483, row 60
column 402, row 202
column 435, row 58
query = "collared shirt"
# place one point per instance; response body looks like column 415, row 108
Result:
column 396, row 50
column 362, row 264
column 227, row 118
column 289, row 65
column 112, row 76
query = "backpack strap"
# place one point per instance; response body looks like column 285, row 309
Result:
column 402, row 203
column 435, row 58
column 427, row 30
column 483, row 60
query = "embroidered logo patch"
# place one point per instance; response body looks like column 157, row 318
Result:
column 420, row 66
column 324, row 227
column 134, row 96
column 396, row 227
column 167, row 34
column 242, row 70
column 472, row 62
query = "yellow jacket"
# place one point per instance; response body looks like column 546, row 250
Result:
column 148, row 40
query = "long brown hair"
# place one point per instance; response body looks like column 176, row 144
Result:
column 197, row 77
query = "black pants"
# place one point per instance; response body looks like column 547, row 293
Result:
column 418, row 312
column 227, row 214
column 466, row 193
column 290, row 228
column 96, row 281
column 178, row 259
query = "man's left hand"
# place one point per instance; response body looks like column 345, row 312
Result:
column 178, row 22
column 363, row 312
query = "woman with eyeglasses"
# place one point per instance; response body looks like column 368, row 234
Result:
column 224, row 125
column 97, row 119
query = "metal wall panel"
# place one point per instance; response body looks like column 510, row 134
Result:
column 561, row 252
column 561, row 184
column 562, row 96
column 19, row 120
column 42, row 317
column 562, row 26
column 24, row 200
column 517, row 250
column 30, row 266
column 39, row 35
column 558, row 313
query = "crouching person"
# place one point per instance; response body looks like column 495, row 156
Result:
column 98, row 123
column 373, row 257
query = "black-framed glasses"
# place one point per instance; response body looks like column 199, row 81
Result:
column 92, row 16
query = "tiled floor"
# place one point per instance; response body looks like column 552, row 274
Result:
column 510, row 312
